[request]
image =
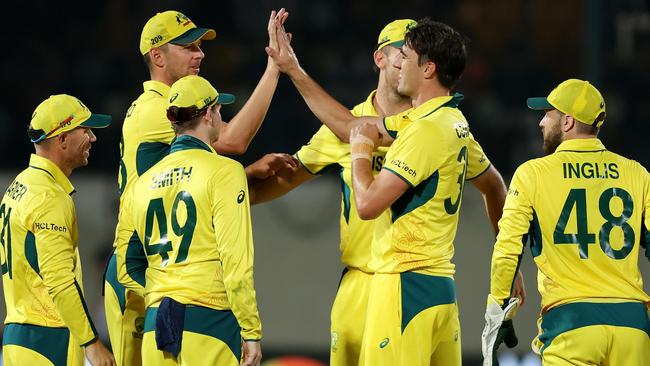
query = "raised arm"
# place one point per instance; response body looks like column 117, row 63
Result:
column 327, row 109
column 277, row 185
column 236, row 136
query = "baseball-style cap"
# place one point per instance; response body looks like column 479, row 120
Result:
column 394, row 32
column 577, row 98
column 194, row 91
column 61, row 113
column 171, row 27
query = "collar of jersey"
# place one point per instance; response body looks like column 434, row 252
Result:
column 434, row 104
column 187, row 142
column 156, row 87
column 369, row 106
column 593, row 144
column 46, row 165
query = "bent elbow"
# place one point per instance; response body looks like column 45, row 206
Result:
column 367, row 213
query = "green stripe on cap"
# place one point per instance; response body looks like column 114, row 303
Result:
column 225, row 98
column 540, row 103
column 193, row 35
column 97, row 121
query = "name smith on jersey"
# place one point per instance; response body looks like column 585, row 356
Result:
column 171, row 176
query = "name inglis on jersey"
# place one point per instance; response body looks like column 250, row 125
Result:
column 589, row 170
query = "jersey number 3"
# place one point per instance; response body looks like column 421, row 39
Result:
column 156, row 212
column 578, row 198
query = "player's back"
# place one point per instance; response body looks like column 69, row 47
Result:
column 587, row 223
column 182, row 195
column 21, row 216
column 146, row 133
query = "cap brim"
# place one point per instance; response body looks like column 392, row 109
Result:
column 194, row 35
column 225, row 98
column 97, row 121
column 539, row 104
column 396, row 44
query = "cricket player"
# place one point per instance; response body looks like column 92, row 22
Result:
column 171, row 46
column 422, row 240
column 47, row 319
column 586, row 213
column 325, row 151
column 191, row 216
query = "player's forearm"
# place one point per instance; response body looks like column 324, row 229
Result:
column 362, row 180
column 237, row 135
column 71, row 306
column 275, row 186
column 493, row 189
column 329, row 111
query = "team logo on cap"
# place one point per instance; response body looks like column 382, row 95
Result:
column 181, row 19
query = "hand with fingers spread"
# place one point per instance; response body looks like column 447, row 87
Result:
column 269, row 164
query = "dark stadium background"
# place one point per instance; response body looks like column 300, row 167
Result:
column 518, row 49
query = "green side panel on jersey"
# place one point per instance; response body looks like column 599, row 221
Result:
column 52, row 343
column 535, row 236
column 111, row 278
column 391, row 133
column 219, row 324
column 345, row 190
column 420, row 292
column 136, row 260
column 149, row 153
column 30, row 252
column 583, row 314
column 415, row 197
column 645, row 240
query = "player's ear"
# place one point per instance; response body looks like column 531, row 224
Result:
column 156, row 56
column 379, row 58
column 567, row 123
column 429, row 69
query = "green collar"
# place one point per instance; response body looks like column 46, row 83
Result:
column 157, row 87
column 40, row 163
column 581, row 145
column 187, row 142
column 434, row 104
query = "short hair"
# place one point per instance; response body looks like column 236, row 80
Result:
column 186, row 118
column 441, row 44
column 586, row 129
column 147, row 60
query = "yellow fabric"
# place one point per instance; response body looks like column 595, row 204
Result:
column 13, row 355
column 326, row 150
column 145, row 122
column 195, row 91
column 433, row 154
column 197, row 349
column 432, row 337
column 60, row 113
column 165, row 27
column 393, row 33
column 38, row 205
column 206, row 258
column 348, row 317
column 125, row 327
column 580, row 99
column 599, row 345
column 566, row 198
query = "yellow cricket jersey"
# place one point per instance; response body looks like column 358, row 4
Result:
column 146, row 133
column 434, row 153
column 41, row 268
column 586, row 212
column 191, row 216
column 325, row 151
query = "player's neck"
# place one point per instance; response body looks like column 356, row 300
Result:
column 56, row 159
column 388, row 103
column 428, row 90
column 161, row 76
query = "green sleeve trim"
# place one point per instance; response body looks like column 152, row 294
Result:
column 89, row 342
column 399, row 175
column 481, row 173
column 85, row 307
column 252, row 340
column 391, row 133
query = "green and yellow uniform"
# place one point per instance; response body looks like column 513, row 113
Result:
column 191, row 217
column 47, row 318
column 412, row 313
column 146, row 137
column 323, row 152
column 586, row 212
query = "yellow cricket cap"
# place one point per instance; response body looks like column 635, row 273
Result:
column 171, row 27
column 394, row 32
column 194, row 91
column 61, row 113
column 577, row 98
